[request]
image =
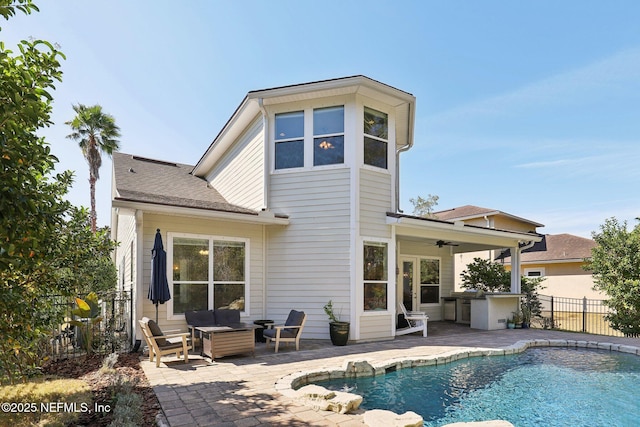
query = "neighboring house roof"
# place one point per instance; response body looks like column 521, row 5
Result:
column 555, row 248
column 139, row 179
column 467, row 212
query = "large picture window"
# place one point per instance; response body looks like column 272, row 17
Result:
column 429, row 281
column 208, row 273
column 376, row 137
column 375, row 276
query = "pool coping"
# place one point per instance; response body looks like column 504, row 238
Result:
column 288, row 385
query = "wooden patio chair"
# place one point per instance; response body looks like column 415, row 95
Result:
column 417, row 321
column 160, row 344
column 289, row 332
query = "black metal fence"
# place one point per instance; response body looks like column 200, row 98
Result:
column 111, row 334
column 575, row 314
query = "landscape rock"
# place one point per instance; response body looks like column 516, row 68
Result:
column 322, row 399
column 382, row 418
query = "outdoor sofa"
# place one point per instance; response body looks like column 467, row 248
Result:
column 218, row 317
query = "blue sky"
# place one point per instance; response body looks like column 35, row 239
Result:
column 532, row 108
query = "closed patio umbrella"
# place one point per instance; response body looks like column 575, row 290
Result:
column 159, row 287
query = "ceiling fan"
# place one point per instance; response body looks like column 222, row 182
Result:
column 441, row 243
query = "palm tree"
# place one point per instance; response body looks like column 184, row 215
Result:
column 96, row 133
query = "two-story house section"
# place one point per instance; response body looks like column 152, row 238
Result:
column 293, row 204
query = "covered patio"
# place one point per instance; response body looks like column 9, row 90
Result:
column 426, row 252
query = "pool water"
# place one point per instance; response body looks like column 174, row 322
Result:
column 539, row 387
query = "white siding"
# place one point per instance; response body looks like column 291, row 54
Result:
column 179, row 224
column 375, row 202
column 309, row 260
column 124, row 255
column 239, row 175
column 375, row 328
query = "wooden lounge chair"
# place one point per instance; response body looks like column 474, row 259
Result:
column 289, row 332
column 161, row 344
column 417, row 321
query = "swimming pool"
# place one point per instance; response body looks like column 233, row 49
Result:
column 541, row 386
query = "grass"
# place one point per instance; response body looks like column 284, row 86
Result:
column 24, row 402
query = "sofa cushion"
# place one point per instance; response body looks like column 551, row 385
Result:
column 284, row 333
column 156, row 332
column 200, row 318
column 227, row 317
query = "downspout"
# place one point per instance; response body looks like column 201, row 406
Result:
column 267, row 162
column 265, row 202
column 404, row 148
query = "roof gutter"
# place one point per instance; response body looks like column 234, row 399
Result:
column 266, row 218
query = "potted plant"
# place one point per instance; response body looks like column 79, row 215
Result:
column 517, row 319
column 338, row 330
column 526, row 316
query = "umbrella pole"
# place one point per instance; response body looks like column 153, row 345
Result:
column 156, row 313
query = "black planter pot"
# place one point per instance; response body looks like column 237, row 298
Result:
column 339, row 332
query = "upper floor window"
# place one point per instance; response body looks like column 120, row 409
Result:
column 289, row 140
column 376, row 137
column 326, row 136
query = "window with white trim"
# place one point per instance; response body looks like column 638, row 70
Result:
column 324, row 140
column 534, row 272
column 328, row 136
column 289, row 140
column 375, row 276
column 376, row 137
column 207, row 273
column 429, row 281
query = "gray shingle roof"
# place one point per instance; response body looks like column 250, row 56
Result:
column 138, row 179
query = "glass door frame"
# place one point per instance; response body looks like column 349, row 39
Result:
column 414, row 286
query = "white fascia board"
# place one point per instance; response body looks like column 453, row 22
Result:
column 241, row 118
column 551, row 261
column 460, row 232
column 266, row 219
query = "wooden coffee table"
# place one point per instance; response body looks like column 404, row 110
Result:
column 220, row 341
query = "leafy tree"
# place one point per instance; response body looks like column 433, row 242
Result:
column 8, row 8
column 96, row 133
column 615, row 263
column 43, row 240
column 424, row 207
column 488, row 276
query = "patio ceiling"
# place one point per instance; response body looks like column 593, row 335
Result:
column 462, row 238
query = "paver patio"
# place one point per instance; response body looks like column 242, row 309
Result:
column 240, row 391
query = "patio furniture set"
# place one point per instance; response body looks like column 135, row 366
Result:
column 219, row 333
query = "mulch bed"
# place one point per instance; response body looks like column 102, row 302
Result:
column 87, row 368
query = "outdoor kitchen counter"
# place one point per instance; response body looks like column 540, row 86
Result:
column 483, row 310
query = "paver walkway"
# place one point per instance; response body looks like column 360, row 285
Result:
column 239, row 391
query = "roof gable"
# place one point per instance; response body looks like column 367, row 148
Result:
column 468, row 212
column 255, row 102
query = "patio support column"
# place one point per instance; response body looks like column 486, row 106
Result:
column 515, row 270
